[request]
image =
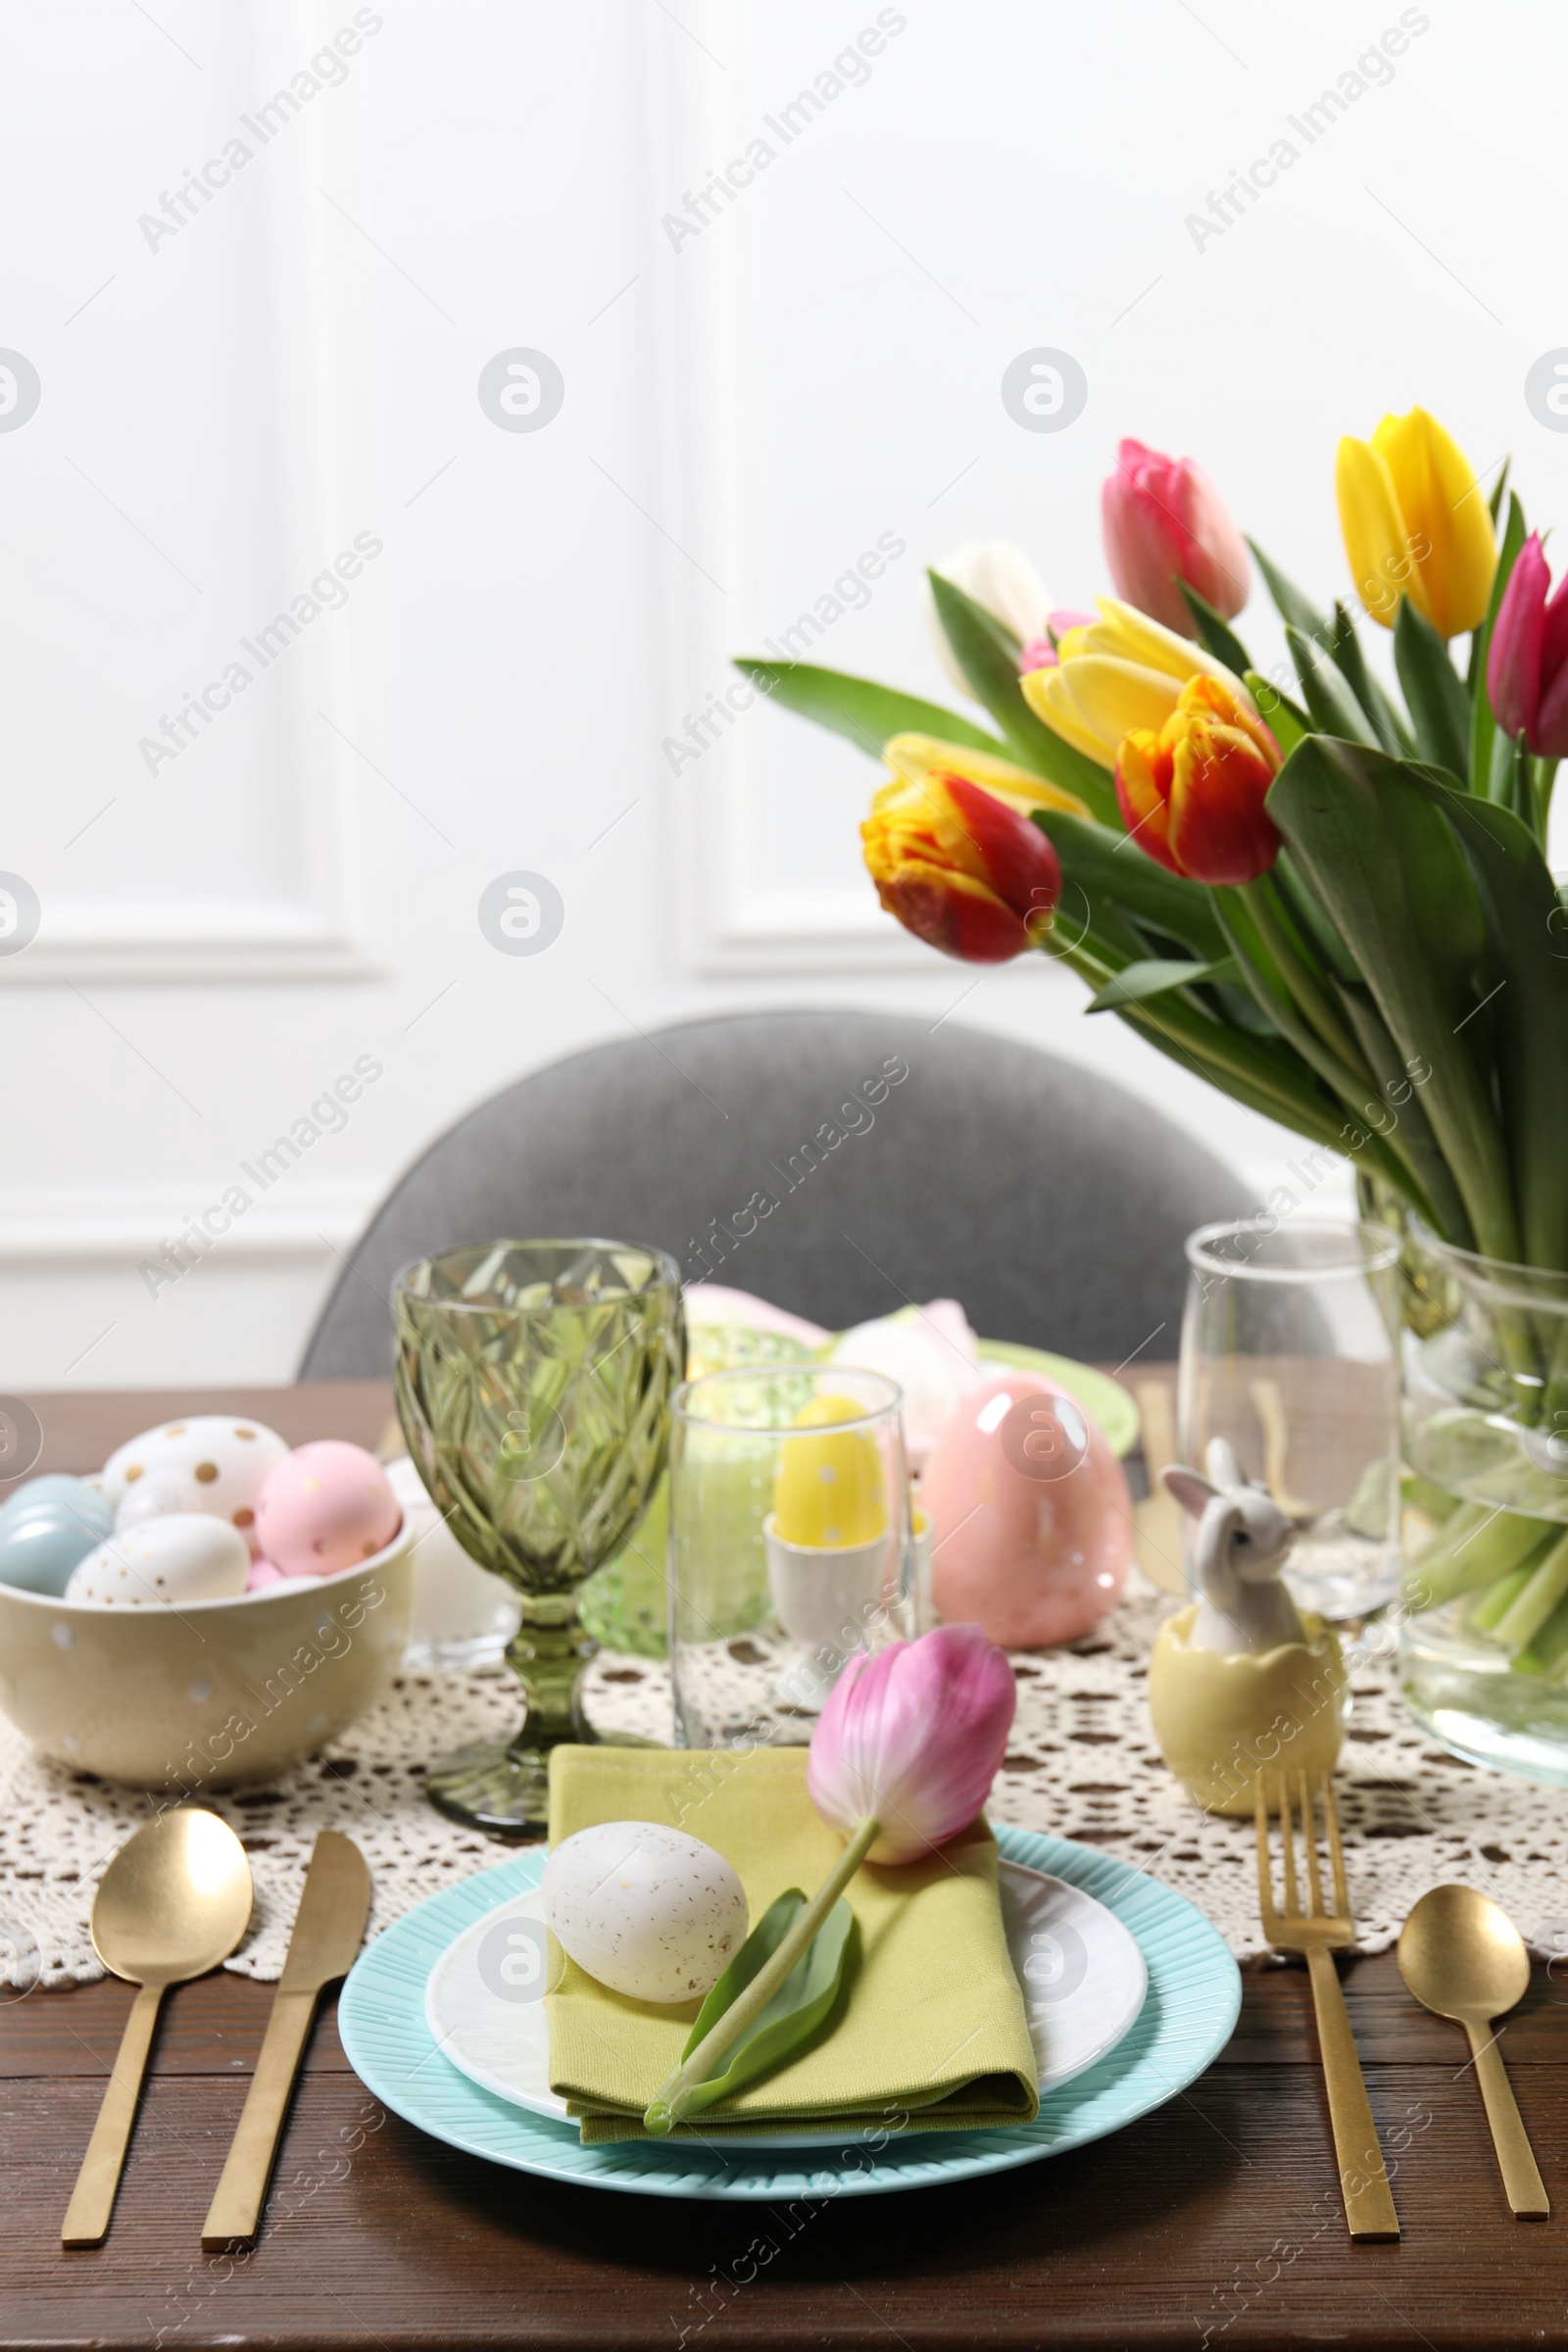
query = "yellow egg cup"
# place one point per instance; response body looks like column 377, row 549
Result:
column 1223, row 1719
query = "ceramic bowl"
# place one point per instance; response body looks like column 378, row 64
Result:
column 213, row 1693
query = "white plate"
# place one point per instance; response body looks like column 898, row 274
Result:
column 1080, row 1970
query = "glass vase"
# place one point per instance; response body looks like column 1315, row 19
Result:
column 533, row 1381
column 1484, row 1642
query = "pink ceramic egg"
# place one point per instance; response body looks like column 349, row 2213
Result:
column 262, row 1573
column 327, row 1507
column 1031, row 1517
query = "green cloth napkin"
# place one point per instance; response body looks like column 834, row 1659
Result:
column 930, row 2033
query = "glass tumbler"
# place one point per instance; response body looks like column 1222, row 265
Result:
column 1290, row 1353
column 789, row 1545
column 533, row 1381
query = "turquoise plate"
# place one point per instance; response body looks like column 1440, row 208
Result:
column 1195, row 1993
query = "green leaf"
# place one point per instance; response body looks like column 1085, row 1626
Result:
column 800, row 2006
column 857, row 707
column 1151, row 978
column 1287, row 720
column 1388, row 723
column 1484, row 727
column 1295, row 609
column 1215, row 632
column 1495, row 502
column 1334, row 708
column 987, row 656
column 1376, row 839
column 1436, row 693
column 1521, row 909
column 1119, row 878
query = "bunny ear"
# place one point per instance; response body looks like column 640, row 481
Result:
column 1223, row 1463
column 1189, row 1488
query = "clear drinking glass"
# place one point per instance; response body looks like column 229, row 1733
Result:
column 533, row 1381
column 1290, row 1352
column 789, row 1545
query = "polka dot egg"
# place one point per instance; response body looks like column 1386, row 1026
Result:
column 215, row 1465
column 325, row 1507
column 191, row 1556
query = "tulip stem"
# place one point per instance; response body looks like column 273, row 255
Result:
column 674, row 2095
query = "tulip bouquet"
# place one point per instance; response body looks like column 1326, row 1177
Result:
column 1328, row 898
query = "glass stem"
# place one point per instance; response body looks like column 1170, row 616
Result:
column 548, row 1655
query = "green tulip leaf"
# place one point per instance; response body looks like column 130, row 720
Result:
column 1484, row 727
column 1286, row 720
column 1214, row 631
column 1329, row 697
column 797, row 2010
column 1152, row 977
column 1388, row 723
column 857, row 707
column 1295, row 609
column 987, row 652
column 1119, row 879
column 1438, row 701
column 1495, row 502
column 1377, row 840
column 1528, row 939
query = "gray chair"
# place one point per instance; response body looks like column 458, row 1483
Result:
column 838, row 1163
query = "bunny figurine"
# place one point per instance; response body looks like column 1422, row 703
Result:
column 1244, row 1539
column 1240, row 1681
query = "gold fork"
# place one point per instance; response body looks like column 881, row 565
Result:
column 1316, row 1932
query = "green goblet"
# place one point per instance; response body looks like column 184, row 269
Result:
column 533, row 1381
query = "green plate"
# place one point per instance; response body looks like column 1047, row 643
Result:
column 1104, row 1398
column 1188, row 2015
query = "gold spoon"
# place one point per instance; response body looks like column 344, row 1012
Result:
column 172, row 1903
column 1463, row 1957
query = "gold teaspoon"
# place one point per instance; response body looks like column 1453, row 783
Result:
column 1463, row 1957
column 172, row 1903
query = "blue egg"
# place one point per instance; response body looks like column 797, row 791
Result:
column 47, row 1528
column 51, row 1483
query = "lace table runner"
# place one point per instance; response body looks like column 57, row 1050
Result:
column 1082, row 1764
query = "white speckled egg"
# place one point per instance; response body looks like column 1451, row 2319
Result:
column 189, row 1557
column 648, row 1911
column 221, row 1462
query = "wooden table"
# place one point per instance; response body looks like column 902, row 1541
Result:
column 1215, row 2220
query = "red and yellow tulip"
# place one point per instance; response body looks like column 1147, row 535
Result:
column 951, row 849
column 1121, row 671
column 1192, row 793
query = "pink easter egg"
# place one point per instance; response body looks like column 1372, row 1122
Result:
column 1030, row 1516
column 326, row 1507
column 262, row 1573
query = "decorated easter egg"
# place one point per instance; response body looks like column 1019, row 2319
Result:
column 224, row 1460
column 326, row 1506
column 46, row 1528
column 263, row 1573
column 38, row 1489
column 1030, row 1516
column 192, row 1556
column 646, row 1910
column 829, row 1491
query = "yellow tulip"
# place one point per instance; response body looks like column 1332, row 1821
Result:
column 1415, row 524
column 1123, row 671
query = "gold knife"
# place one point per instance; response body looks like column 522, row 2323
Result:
column 328, row 1927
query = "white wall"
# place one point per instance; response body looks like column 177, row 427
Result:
column 225, row 408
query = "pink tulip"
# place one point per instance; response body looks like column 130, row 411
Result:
column 912, row 1738
column 1162, row 519
column 902, row 1758
column 1041, row 652
column 1527, row 666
